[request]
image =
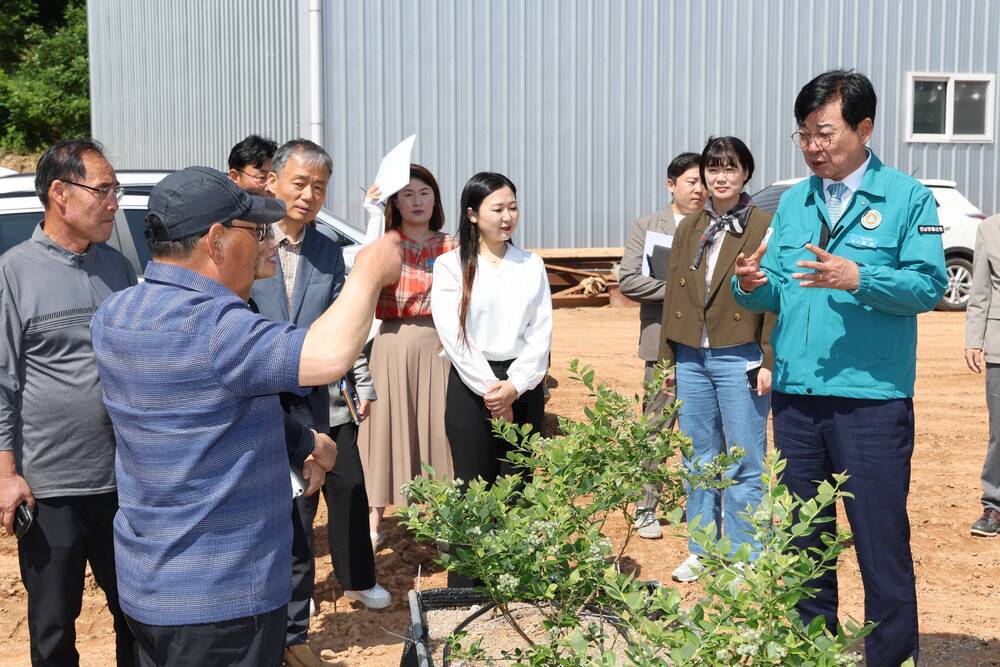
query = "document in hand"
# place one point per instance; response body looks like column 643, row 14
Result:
column 656, row 255
column 394, row 170
column 393, row 175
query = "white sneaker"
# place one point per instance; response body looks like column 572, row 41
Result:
column 689, row 570
column 648, row 525
column 375, row 597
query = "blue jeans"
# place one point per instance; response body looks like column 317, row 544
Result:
column 718, row 410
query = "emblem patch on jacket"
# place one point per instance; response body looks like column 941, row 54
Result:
column 871, row 219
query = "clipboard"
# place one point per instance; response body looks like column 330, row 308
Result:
column 350, row 396
column 656, row 255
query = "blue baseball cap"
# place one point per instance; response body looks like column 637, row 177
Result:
column 191, row 200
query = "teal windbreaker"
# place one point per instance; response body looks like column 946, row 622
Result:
column 863, row 344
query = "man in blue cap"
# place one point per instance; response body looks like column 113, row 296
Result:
column 191, row 377
column 855, row 256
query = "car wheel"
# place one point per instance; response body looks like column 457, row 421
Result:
column 956, row 295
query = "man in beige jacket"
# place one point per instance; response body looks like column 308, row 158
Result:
column 642, row 278
column 982, row 339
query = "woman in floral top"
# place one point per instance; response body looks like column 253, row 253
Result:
column 406, row 425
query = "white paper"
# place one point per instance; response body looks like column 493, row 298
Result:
column 654, row 239
column 394, row 170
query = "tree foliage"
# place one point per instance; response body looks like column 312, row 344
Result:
column 18, row 16
column 45, row 94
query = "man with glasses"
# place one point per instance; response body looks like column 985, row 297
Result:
column 250, row 162
column 191, row 379
column 855, row 256
column 57, row 447
column 309, row 277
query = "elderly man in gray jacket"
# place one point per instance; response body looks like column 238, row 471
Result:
column 642, row 278
column 982, row 339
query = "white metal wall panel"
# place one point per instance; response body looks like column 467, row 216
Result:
column 581, row 102
column 178, row 82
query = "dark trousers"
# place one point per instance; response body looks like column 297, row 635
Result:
column 252, row 641
column 347, row 533
column 872, row 441
column 67, row 533
column 475, row 450
column 653, row 407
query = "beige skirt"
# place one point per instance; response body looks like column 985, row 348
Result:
column 405, row 426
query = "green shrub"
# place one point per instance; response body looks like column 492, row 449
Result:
column 747, row 615
column 543, row 542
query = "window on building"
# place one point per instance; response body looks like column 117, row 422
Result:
column 951, row 108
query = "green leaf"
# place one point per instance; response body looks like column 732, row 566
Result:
column 684, row 653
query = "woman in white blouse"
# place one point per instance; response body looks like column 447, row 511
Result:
column 492, row 308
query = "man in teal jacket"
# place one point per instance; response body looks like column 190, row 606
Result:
column 854, row 255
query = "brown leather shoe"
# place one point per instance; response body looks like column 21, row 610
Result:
column 300, row 655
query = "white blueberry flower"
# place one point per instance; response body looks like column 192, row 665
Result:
column 507, row 584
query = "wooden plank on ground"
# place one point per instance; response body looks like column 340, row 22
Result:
column 579, row 300
column 608, row 254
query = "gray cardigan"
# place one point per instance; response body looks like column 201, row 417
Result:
column 649, row 292
column 982, row 314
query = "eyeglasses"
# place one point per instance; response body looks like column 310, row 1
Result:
column 259, row 179
column 260, row 230
column 821, row 139
column 105, row 194
column 728, row 170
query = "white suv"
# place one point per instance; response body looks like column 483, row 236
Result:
column 21, row 211
column 957, row 214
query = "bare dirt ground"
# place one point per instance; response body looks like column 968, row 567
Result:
column 958, row 576
column 22, row 162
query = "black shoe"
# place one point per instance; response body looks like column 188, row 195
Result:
column 988, row 524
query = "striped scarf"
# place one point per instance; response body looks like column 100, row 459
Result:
column 733, row 221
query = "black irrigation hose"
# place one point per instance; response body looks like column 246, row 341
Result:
column 461, row 626
column 593, row 609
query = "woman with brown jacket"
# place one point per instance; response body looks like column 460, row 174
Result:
column 722, row 352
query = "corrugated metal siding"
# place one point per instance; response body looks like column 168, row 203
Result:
column 178, row 82
column 581, row 102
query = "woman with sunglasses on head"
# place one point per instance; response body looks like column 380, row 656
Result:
column 493, row 311
column 722, row 351
column 405, row 427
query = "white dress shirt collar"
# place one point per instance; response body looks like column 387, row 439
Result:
column 853, row 181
